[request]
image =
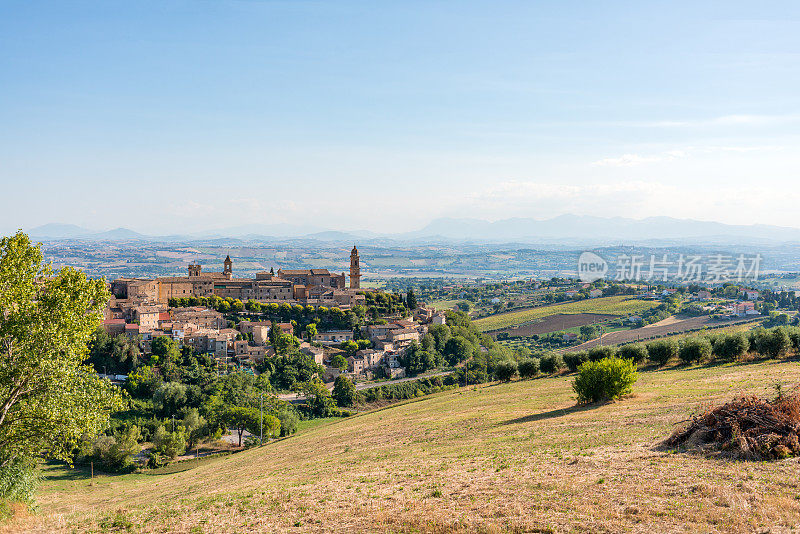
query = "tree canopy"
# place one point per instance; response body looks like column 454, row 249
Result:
column 48, row 397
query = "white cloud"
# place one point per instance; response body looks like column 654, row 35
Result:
column 626, row 160
column 630, row 160
column 726, row 120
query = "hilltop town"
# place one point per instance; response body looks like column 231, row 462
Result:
column 232, row 318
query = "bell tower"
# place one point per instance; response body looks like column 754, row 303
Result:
column 355, row 270
column 228, row 267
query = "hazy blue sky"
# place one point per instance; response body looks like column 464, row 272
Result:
column 174, row 116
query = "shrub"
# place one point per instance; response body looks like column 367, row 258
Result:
column 694, row 350
column 573, row 360
column 772, row 343
column 18, row 481
column 730, row 347
column 528, row 368
column 662, row 350
column 289, row 420
column 598, row 353
column 505, row 370
column 551, row 363
column 169, row 444
column 635, row 351
column 609, row 378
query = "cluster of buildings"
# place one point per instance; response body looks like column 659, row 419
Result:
column 308, row 286
column 140, row 307
column 390, row 342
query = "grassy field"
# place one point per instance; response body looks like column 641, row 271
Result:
column 618, row 306
column 443, row 304
column 516, row 457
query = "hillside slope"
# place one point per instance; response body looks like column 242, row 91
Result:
column 510, row 457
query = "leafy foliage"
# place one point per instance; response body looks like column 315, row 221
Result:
column 695, row 350
column 661, row 351
column 528, row 367
column 48, row 398
column 609, row 378
column 344, row 392
column 506, row 370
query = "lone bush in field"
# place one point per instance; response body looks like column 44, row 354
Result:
column 609, row 378
column 635, row 351
column 662, row 350
column 528, row 368
column 573, row 360
column 551, row 363
column 506, row 370
column 695, row 350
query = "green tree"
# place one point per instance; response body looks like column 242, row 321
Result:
column 634, row 351
column 695, row 350
column 411, row 300
column 661, row 351
column 241, row 418
column 169, row 444
column 318, row 398
column 272, row 426
column 311, row 331
column 169, row 398
column 286, row 343
column 606, row 379
column 506, row 370
column 338, row 361
column 344, row 391
column 349, row 347
column 166, row 349
column 48, row 398
column 588, row 331
column 195, row 425
column 457, row 350
column 528, row 367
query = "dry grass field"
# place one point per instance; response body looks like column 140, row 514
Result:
column 514, row 457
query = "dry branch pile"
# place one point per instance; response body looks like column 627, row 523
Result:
column 747, row 427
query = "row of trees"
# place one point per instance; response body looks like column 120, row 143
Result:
column 760, row 343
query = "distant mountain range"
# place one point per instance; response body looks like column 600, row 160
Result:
column 569, row 228
column 600, row 228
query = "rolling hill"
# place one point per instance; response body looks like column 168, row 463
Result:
column 618, row 306
column 512, row 457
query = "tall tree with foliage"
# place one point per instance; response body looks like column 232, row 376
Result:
column 48, row 397
column 344, row 391
column 411, row 300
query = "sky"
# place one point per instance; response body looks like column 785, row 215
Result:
column 185, row 116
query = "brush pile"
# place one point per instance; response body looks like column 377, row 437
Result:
column 747, row 427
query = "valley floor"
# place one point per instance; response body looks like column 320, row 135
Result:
column 516, row 457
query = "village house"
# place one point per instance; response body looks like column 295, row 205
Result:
column 318, row 353
column 744, row 308
column 749, row 294
column 334, row 336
